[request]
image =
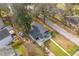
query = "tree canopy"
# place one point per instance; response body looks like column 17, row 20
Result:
column 23, row 19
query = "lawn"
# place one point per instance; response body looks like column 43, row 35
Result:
column 55, row 49
column 22, row 50
column 70, row 47
column 17, row 45
column 73, row 49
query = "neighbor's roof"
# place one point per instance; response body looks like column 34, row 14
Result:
column 9, row 28
column 1, row 23
column 4, row 33
column 74, row 20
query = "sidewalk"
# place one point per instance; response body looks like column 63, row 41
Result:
column 76, row 54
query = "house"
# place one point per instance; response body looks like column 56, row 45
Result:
column 5, row 34
column 74, row 21
column 39, row 33
column 1, row 24
column 5, row 37
column 7, row 51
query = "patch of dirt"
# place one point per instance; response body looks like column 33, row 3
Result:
column 33, row 49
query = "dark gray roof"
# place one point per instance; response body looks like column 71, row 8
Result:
column 36, row 33
column 1, row 23
column 9, row 28
column 39, row 32
column 4, row 33
column 74, row 20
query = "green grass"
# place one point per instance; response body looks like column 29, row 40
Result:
column 56, row 50
column 20, row 47
column 21, row 50
column 16, row 44
column 73, row 49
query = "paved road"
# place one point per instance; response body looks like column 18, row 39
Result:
column 63, row 32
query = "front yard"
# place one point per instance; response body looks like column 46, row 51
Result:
column 70, row 47
column 22, row 50
column 55, row 49
column 19, row 47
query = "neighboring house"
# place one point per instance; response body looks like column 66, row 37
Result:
column 1, row 24
column 7, row 51
column 9, row 28
column 39, row 33
column 5, row 40
column 5, row 37
column 73, row 21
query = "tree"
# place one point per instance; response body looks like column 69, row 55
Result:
column 4, row 10
column 41, row 9
column 23, row 19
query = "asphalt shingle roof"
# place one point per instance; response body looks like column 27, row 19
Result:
column 4, row 33
column 74, row 20
column 36, row 33
column 1, row 23
column 39, row 32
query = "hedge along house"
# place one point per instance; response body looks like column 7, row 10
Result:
column 39, row 33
